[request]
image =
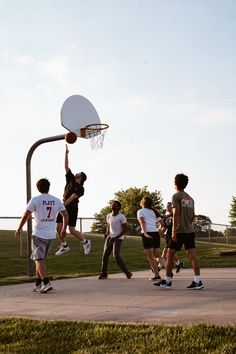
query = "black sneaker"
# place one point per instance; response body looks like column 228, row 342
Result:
column 129, row 275
column 102, row 276
column 155, row 278
column 179, row 266
column 164, row 284
column 195, row 286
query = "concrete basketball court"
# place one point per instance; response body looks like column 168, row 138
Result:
column 118, row 299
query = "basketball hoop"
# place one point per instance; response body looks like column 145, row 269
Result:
column 95, row 133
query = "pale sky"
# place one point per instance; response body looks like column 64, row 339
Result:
column 161, row 73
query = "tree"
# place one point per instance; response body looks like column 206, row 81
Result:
column 201, row 225
column 202, row 222
column 130, row 201
column 232, row 212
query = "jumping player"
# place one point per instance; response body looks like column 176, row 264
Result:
column 74, row 189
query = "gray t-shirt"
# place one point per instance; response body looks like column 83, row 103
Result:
column 186, row 212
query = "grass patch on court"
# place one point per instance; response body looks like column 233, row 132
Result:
column 31, row 336
column 14, row 267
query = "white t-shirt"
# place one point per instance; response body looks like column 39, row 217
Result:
column 115, row 222
column 45, row 208
column 150, row 219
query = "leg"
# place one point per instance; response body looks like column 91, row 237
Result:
column 196, row 284
column 59, row 228
column 152, row 261
column 164, row 253
column 116, row 253
column 105, row 257
column 178, row 263
column 193, row 259
column 63, row 247
column 160, row 259
column 86, row 243
column 41, row 268
column 169, row 262
column 73, row 214
column 76, row 233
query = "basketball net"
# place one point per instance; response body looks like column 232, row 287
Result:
column 95, row 133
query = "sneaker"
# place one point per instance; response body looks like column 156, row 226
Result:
column 164, row 284
column 179, row 266
column 45, row 288
column 195, row 286
column 155, row 278
column 87, row 247
column 36, row 288
column 62, row 250
column 103, row 276
column 129, row 275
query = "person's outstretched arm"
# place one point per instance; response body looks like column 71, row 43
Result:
column 66, row 159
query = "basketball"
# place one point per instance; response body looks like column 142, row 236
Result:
column 70, row 138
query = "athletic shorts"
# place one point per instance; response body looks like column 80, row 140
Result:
column 153, row 242
column 72, row 212
column 188, row 240
column 40, row 247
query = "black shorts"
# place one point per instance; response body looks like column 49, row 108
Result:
column 188, row 240
column 73, row 214
column 153, row 242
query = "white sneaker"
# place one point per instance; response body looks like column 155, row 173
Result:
column 45, row 288
column 62, row 250
column 87, row 247
column 36, row 288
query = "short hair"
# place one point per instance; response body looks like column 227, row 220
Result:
column 43, row 185
column 181, row 181
column 117, row 202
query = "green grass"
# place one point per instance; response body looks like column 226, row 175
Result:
column 30, row 336
column 13, row 267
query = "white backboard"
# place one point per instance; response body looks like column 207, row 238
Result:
column 77, row 112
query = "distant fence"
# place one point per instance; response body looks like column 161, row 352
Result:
column 209, row 232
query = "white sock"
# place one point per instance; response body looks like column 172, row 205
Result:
column 84, row 242
column 197, row 278
column 64, row 244
column 167, row 279
column 177, row 262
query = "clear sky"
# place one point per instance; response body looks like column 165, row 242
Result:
column 161, row 73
